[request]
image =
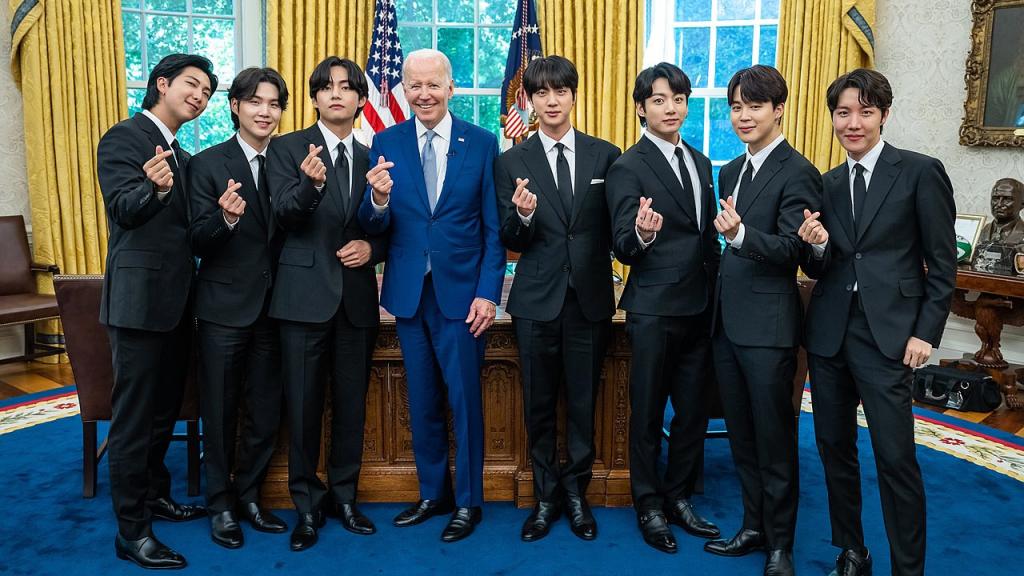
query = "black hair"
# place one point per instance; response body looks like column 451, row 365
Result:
column 758, row 83
column 873, row 86
column 245, row 84
column 552, row 73
column 644, row 86
column 170, row 67
column 320, row 78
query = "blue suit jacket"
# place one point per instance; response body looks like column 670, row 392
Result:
column 461, row 235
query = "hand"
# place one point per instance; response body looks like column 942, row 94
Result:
column 313, row 167
column 158, row 171
column 380, row 180
column 917, row 353
column 648, row 222
column 728, row 220
column 812, row 231
column 525, row 201
column 481, row 316
column 354, row 254
column 231, row 203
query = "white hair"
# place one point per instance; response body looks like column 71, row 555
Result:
column 429, row 54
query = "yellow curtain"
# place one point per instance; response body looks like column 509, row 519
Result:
column 818, row 41
column 67, row 58
column 605, row 39
column 301, row 33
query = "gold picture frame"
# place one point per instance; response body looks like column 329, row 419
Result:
column 994, row 108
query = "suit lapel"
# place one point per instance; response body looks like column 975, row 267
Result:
column 360, row 166
column 410, row 161
column 235, row 164
column 542, row 182
column 840, row 191
column 457, row 152
column 156, row 138
column 316, row 138
column 656, row 161
column 586, row 162
column 771, row 166
column 886, row 170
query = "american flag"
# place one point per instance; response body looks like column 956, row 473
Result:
column 525, row 45
column 386, row 105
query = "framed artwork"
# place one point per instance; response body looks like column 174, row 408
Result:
column 994, row 109
column 968, row 230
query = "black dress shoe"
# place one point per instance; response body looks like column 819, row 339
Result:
column 148, row 552
column 224, row 530
column 580, row 519
column 304, row 535
column 681, row 513
column 421, row 511
column 851, row 563
column 354, row 521
column 263, row 520
column 744, row 542
column 461, row 523
column 779, row 563
column 168, row 509
column 538, row 524
column 657, row 532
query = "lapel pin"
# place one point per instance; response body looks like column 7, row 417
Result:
column 461, row 139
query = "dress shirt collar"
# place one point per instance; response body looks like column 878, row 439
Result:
column 331, row 140
column 568, row 140
column 756, row 160
column 667, row 148
column 443, row 128
column 168, row 135
column 249, row 151
column 869, row 160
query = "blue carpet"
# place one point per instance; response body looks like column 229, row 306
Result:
column 976, row 525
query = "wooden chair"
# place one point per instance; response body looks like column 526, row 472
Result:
column 20, row 302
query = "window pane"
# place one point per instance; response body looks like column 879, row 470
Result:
column 414, row 38
column 166, row 5
column 492, row 55
column 165, row 35
column 135, row 96
column 714, row 176
column 693, row 46
column 462, row 107
column 693, row 10
column 186, row 137
column 490, row 114
column 770, row 9
column 455, row 11
column 766, row 50
column 733, row 52
column 408, row 11
column 130, row 4
column 497, row 11
column 221, row 7
column 724, row 143
column 215, row 38
column 132, row 23
column 215, row 123
column 736, row 9
column 457, row 44
column 693, row 128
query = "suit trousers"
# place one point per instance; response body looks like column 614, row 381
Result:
column 238, row 366
column 441, row 355
column 860, row 373
column 756, row 385
column 149, row 383
column 312, row 354
column 568, row 349
column 671, row 360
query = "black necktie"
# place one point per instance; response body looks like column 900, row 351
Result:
column 564, row 179
column 262, row 188
column 341, row 170
column 684, row 176
column 860, row 191
column 179, row 161
column 745, row 179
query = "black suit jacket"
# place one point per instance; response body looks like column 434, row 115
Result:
column 673, row 276
column 757, row 290
column 237, row 265
column 907, row 223
column 310, row 278
column 149, row 262
column 557, row 245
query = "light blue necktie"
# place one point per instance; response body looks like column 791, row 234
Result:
column 429, row 177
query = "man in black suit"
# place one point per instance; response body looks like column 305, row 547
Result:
column 325, row 296
column 235, row 235
column 875, row 314
column 662, row 203
column 142, row 174
column 561, row 299
column 757, row 313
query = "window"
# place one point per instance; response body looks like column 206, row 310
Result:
column 710, row 40
column 474, row 34
column 213, row 28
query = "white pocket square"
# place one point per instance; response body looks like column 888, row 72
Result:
column 597, row 181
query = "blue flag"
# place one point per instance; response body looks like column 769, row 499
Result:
column 524, row 46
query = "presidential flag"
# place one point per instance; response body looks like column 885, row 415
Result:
column 386, row 105
column 525, row 45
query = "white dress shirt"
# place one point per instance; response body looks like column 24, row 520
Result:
column 551, row 153
column 169, row 137
column 754, row 162
column 669, row 150
column 441, row 143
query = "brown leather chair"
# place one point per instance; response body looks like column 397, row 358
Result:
column 20, row 303
column 88, row 347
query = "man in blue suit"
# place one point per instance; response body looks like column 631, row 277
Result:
column 432, row 192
